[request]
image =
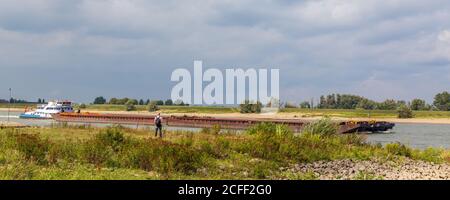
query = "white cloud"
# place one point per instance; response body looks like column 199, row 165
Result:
column 444, row 36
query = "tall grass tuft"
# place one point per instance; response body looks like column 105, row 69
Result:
column 324, row 126
column 269, row 140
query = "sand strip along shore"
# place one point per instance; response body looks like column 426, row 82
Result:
column 11, row 125
column 290, row 116
column 274, row 116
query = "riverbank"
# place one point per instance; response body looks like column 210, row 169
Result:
column 440, row 119
column 282, row 115
column 4, row 124
column 404, row 169
column 264, row 152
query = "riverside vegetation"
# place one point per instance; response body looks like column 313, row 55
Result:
column 265, row 151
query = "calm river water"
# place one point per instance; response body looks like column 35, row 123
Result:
column 415, row 135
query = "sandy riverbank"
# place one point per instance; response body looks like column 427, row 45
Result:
column 12, row 109
column 291, row 116
column 11, row 124
column 274, row 115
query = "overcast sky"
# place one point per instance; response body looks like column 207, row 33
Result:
column 80, row 49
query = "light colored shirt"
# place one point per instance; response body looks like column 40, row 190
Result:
column 159, row 118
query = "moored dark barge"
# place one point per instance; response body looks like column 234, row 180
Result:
column 208, row 122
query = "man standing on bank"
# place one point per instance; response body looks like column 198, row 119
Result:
column 158, row 124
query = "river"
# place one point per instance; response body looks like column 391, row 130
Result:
column 415, row 135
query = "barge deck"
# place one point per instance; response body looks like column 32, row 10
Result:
column 208, row 122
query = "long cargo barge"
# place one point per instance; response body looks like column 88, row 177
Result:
column 208, row 122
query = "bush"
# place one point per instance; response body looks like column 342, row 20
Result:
column 100, row 150
column 82, row 106
column 404, row 112
column 218, row 147
column 162, row 156
column 250, row 107
column 111, row 137
column 33, row 147
column 68, row 151
column 269, row 140
column 130, row 105
column 430, row 155
column 398, row 149
column 152, row 106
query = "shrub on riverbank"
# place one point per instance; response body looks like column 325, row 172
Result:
column 250, row 107
column 152, row 106
column 404, row 112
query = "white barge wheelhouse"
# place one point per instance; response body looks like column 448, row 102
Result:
column 46, row 111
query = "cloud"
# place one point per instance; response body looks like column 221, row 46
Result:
column 444, row 36
column 126, row 47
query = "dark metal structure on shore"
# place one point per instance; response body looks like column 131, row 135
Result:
column 208, row 122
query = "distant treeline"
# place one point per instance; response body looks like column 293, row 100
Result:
column 333, row 101
column 130, row 101
column 348, row 101
column 12, row 100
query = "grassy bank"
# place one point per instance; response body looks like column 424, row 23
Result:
column 69, row 152
column 359, row 113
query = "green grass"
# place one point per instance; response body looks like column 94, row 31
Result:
column 349, row 113
column 84, row 152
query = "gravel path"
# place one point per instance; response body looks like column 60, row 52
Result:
column 406, row 169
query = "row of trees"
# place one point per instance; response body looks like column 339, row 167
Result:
column 12, row 100
column 346, row 101
column 332, row 101
column 129, row 101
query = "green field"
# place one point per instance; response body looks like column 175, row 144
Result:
column 349, row 113
column 84, row 152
